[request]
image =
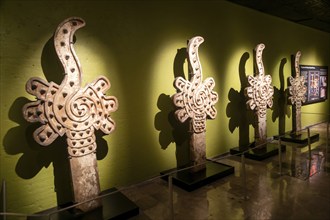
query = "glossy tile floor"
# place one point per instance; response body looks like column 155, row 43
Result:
column 267, row 195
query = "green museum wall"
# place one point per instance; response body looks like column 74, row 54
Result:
column 139, row 47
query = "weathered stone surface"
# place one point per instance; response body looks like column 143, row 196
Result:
column 297, row 94
column 195, row 100
column 260, row 96
column 67, row 109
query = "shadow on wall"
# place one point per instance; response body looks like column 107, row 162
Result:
column 171, row 130
column 280, row 108
column 35, row 157
column 240, row 116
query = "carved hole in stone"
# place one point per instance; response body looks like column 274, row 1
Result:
column 62, row 44
column 75, row 105
column 30, row 114
column 75, row 125
column 42, row 139
column 74, row 151
column 51, row 116
column 49, row 133
column 74, row 23
column 81, row 142
column 73, row 134
column 106, row 106
column 65, row 31
column 64, row 94
column 71, row 83
column 82, row 151
column 50, row 103
column 59, row 107
column 67, row 57
column 88, row 131
column 109, row 128
column 98, row 88
column 103, row 84
column 91, row 93
column 98, row 102
column 100, row 113
column 33, row 87
column 104, row 125
column 42, row 91
column 90, row 148
column 59, row 127
column 89, row 139
column 53, row 92
column 38, row 112
column 72, row 70
column 64, row 119
column 97, row 122
column 84, row 99
column 81, row 134
column 86, row 123
column 74, row 143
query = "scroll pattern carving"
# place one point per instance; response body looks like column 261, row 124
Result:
column 68, row 109
column 195, row 99
column 260, row 92
column 260, row 96
column 297, row 96
column 297, row 89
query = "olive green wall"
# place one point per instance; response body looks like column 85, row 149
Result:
column 138, row 46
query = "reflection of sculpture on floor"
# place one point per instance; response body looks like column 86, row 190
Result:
column 260, row 94
column 297, row 95
column 195, row 100
column 67, row 109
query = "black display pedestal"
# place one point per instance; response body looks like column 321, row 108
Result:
column 190, row 181
column 301, row 138
column 114, row 206
column 260, row 153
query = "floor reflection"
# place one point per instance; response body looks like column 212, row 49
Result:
column 266, row 195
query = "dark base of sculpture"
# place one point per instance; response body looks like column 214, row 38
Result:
column 190, row 181
column 301, row 138
column 114, row 206
column 260, row 153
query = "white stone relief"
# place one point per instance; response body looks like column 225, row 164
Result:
column 67, row 109
column 260, row 95
column 195, row 100
column 297, row 92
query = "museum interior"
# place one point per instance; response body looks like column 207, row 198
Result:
column 150, row 110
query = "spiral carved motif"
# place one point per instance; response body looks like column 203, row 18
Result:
column 260, row 92
column 297, row 89
column 67, row 108
column 195, row 99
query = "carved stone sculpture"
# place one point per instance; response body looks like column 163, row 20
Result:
column 76, row 112
column 195, row 100
column 260, row 96
column 297, row 94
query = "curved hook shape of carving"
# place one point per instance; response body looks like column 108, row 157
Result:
column 297, row 88
column 258, row 57
column 67, row 108
column 195, row 66
column 296, row 63
column 195, row 99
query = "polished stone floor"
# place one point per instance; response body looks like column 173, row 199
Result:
column 265, row 193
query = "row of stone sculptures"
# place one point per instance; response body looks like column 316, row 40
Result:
column 76, row 112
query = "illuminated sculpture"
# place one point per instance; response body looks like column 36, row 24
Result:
column 260, row 94
column 297, row 94
column 67, row 109
column 195, row 101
